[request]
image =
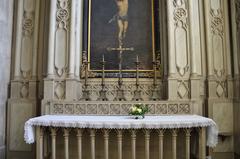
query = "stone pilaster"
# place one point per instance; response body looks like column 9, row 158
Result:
column 219, row 71
column 64, row 50
column 22, row 103
column 185, row 51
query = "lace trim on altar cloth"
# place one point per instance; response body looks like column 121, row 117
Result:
column 123, row 122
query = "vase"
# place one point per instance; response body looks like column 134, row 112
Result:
column 138, row 116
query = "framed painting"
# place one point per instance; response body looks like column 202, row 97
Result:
column 120, row 30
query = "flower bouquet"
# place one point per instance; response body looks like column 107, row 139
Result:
column 138, row 111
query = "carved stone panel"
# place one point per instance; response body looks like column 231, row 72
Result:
column 117, row 108
column 62, row 37
column 181, row 36
column 28, row 39
column 217, row 27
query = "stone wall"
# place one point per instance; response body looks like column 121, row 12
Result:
column 6, row 18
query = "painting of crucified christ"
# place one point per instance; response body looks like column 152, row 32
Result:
column 122, row 18
column 123, row 27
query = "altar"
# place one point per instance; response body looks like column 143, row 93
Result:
column 119, row 137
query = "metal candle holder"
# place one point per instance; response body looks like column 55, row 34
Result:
column 120, row 92
column 86, row 93
column 155, row 95
column 102, row 93
column 137, row 92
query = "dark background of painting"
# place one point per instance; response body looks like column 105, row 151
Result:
column 104, row 35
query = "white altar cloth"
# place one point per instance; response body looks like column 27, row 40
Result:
column 123, row 122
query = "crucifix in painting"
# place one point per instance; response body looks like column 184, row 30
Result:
column 122, row 18
column 121, row 30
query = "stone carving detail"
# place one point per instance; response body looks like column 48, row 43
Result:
column 28, row 24
column 24, row 92
column 181, row 36
column 103, row 109
column 63, row 14
column 62, row 37
column 172, row 108
column 58, row 109
column 221, row 90
column 69, row 108
column 183, row 89
column 217, row 31
column 151, row 108
column 217, row 22
column 184, row 108
column 161, row 108
column 60, row 90
column 27, row 39
column 92, row 109
column 116, row 108
column 180, row 14
column 80, row 109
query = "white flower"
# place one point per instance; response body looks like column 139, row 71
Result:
column 139, row 110
column 133, row 109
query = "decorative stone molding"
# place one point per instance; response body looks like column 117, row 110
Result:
column 29, row 38
column 28, row 24
column 62, row 37
column 59, row 90
column 181, row 36
column 24, row 92
column 217, row 22
column 180, row 14
column 116, row 108
column 63, row 14
column 183, row 89
column 221, row 89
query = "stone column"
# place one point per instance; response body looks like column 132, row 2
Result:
column 79, row 30
column 195, row 38
column 171, row 52
column 72, row 50
column 17, row 72
column 75, row 49
column 227, row 39
column 51, row 39
column 36, row 42
column 196, row 52
column 208, row 41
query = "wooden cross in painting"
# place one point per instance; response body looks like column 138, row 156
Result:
column 120, row 92
column 121, row 49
